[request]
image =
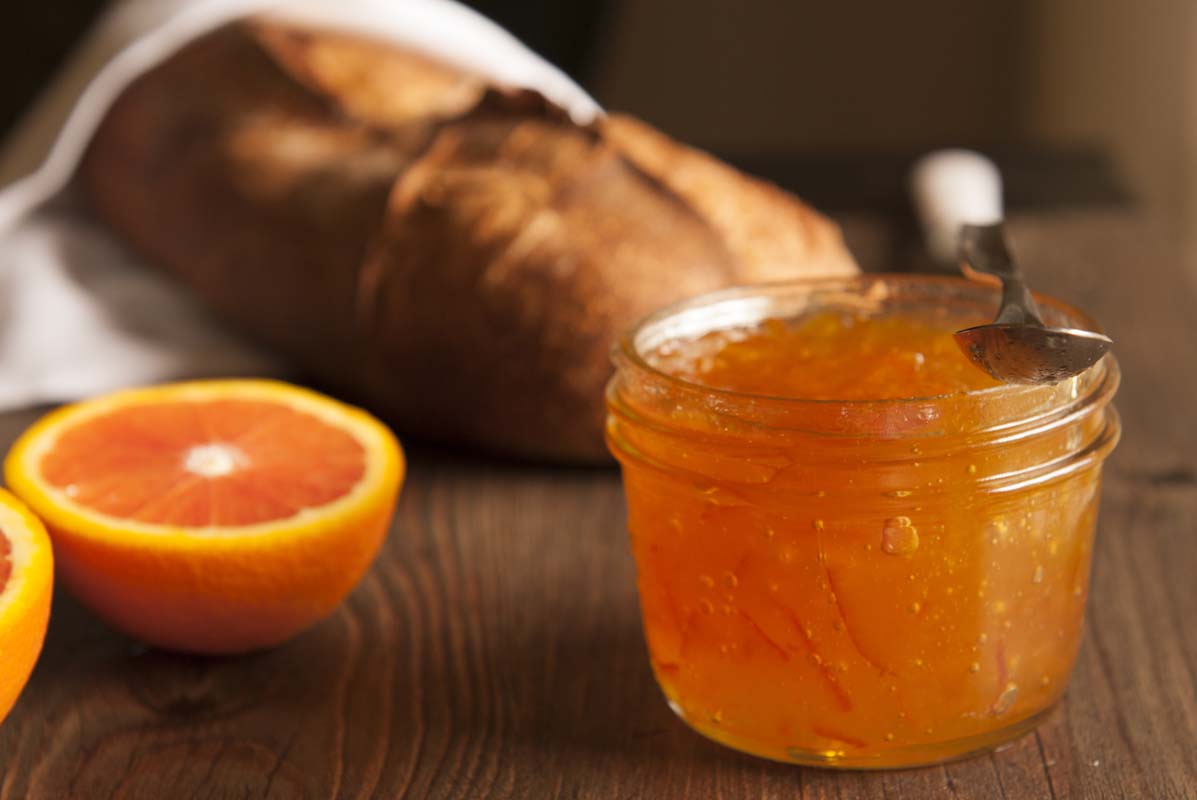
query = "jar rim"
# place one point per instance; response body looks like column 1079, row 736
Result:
column 871, row 288
column 647, row 404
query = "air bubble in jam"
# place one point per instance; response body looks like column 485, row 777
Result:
column 899, row 537
column 1005, row 700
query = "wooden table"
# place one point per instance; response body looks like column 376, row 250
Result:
column 495, row 649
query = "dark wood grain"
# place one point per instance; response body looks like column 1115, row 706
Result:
column 495, row 650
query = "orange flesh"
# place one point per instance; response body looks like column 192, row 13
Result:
column 817, row 603
column 142, row 463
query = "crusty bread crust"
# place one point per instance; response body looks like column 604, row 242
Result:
column 457, row 258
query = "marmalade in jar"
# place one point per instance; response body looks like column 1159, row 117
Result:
column 855, row 548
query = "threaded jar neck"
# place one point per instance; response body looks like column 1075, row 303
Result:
column 1017, row 433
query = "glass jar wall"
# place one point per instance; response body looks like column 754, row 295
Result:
column 865, row 582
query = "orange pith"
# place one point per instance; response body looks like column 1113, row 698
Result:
column 211, row 516
column 132, row 463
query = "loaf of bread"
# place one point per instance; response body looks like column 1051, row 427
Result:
column 452, row 255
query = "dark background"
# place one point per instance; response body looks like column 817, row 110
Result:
column 1081, row 103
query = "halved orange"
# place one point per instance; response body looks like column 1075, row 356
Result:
column 26, row 584
column 210, row 516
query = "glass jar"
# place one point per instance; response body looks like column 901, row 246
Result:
column 867, row 583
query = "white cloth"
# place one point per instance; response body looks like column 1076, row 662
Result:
column 78, row 314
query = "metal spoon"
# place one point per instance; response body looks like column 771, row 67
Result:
column 958, row 196
column 1017, row 347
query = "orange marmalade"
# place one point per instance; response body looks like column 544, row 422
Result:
column 855, row 548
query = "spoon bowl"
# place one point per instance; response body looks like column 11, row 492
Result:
column 1017, row 347
column 1022, row 353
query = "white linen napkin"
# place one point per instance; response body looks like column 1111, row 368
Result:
column 78, row 314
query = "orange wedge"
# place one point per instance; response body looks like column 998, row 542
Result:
column 210, row 516
column 26, row 583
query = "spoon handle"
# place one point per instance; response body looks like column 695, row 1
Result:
column 951, row 188
column 958, row 196
column 984, row 251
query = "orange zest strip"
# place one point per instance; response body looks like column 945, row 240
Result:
column 752, row 623
column 841, row 694
column 828, row 733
